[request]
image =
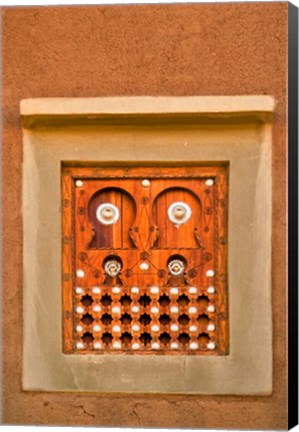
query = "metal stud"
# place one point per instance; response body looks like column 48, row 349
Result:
column 97, row 328
column 211, row 345
column 97, row 308
column 211, row 327
column 210, row 273
column 79, row 183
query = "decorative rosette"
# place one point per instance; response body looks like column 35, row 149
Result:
column 107, row 214
column 179, row 213
column 112, row 268
column 176, row 267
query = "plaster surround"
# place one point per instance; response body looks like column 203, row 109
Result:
column 144, row 131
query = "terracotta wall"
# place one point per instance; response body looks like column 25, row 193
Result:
column 195, row 49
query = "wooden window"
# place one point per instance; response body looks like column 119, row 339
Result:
column 145, row 260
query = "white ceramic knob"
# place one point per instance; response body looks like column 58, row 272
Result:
column 116, row 290
column 174, row 327
column 80, row 273
column 193, row 345
column 116, row 345
column 192, row 310
column 193, row 290
column 97, row 345
column 154, row 290
column 115, row 310
column 209, row 182
column 116, row 328
column 79, row 310
column 80, row 345
column 145, row 183
column 96, row 290
column 155, row 345
column 79, row 290
column 135, row 327
column 135, row 345
column 135, row 309
column 144, row 266
column 211, row 290
column 174, row 291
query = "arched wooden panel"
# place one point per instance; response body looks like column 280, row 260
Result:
column 172, row 235
column 112, row 235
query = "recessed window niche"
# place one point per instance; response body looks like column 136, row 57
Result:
column 124, row 255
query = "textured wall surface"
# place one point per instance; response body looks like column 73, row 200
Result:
column 198, row 49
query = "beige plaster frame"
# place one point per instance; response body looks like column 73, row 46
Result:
column 148, row 130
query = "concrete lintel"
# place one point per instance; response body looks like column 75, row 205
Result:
column 49, row 111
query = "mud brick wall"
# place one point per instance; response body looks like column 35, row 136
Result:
column 175, row 50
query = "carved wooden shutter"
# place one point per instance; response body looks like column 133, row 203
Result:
column 144, row 260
